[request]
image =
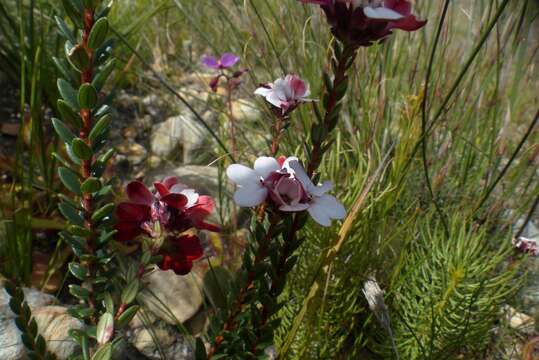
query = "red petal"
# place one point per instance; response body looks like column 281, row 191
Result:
column 177, row 201
column 127, row 231
column 401, row 6
column 161, row 188
column 206, row 203
column 190, row 247
column 180, row 266
column 132, row 212
column 170, row 181
column 202, row 225
column 139, row 193
column 409, row 23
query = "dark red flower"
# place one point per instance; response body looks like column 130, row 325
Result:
column 179, row 253
column 364, row 22
column 195, row 211
column 174, row 207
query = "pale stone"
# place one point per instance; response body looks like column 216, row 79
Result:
column 172, row 298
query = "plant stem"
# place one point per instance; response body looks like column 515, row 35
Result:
column 343, row 62
column 86, row 166
column 230, row 322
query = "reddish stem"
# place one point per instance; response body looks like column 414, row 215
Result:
column 86, row 165
column 340, row 76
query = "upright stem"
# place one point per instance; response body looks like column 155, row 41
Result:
column 233, row 146
column 230, row 322
column 334, row 96
column 86, row 116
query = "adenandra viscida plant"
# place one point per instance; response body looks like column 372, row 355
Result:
column 106, row 292
column 281, row 190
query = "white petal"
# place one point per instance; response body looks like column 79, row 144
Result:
column 381, row 13
column 274, row 99
column 299, row 172
column 263, row 91
column 321, row 189
column 177, row 188
column 307, row 93
column 283, row 90
column 191, row 195
column 319, row 215
column 332, row 207
column 265, row 165
column 242, row 175
column 294, row 208
column 249, row 197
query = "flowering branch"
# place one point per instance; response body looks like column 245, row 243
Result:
column 282, row 186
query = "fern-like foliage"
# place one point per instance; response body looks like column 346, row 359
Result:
column 450, row 291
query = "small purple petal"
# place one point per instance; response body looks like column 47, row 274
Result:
column 229, row 60
column 210, row 62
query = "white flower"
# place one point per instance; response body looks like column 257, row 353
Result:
column 285, row 93
column 287, row 186
column 322, row 207
column 251, row 189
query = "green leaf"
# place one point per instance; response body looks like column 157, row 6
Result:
column 65, row 30
column 103, row 212
column 71, row 154
column 69, row 179
column 100, row 127
column 105, row 328
column 79, row 231
column 88, row 4
column 130, row 292
column 104, row 52
column 105, row 237
column 67, row 114
column 71, row 214
column 85, row 347
column 103, row 73
column 98, row 34
column 63, row 132
column 200, row 350
column 87, row 96
column 73, row 13
column 62, row 67
column 68, row 94
column 104, row 109
column 81, row 150
column 78, row 270
column 78, row 58
column 91, row 185
column 103, row 353
column 126, row 317
column 41, row 346
column 108, row 302
column 79, row 292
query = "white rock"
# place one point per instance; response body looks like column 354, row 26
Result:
column 179, row 133
column 172, row 298
column 10, row 341
column 54, row 324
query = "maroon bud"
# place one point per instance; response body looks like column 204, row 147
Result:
column 239, row 73
column 214, row 82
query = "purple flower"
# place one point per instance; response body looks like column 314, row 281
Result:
column 226, row 61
